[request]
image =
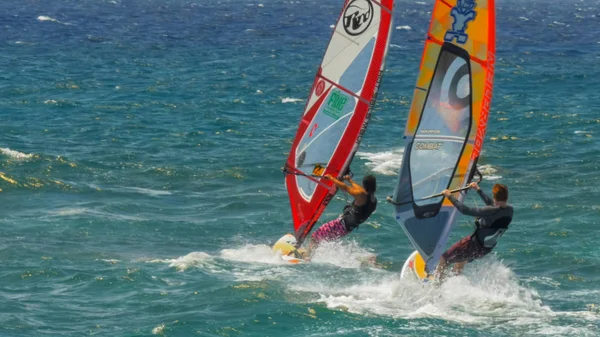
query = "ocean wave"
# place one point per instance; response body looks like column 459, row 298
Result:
column 344, row 254
column 159, row 329
column 44, row 18
column 488, row 294
column 69, row 211
column 252, row 253
column 15, row 154
column 146, row 191
column 488, row 171
column 386, row 162
column 185, row 262
column 93, row 213
column 291, row 100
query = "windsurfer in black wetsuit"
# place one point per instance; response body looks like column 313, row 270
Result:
column 492, row 221
column 362, row 207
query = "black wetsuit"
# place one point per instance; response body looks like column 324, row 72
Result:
column 492, row 220
column 355, row 215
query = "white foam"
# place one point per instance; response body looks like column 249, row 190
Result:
column 183, row 263
column 403, row 28
column 69, row 211
column 94, row 213
column 386, row 162
column 547, row 281
column 345, row 254
column 487, row 294
column 159, row 330
column 523, row 18
column 190, row 260
column 394, row 45
column 252, row 253
column 146, row 191
column 43, row 18
column 258, row 263
column 488, row 172
column 389, row 162
column 110, row 261
column 291, row 100
column 583, row 132
column 15, row 154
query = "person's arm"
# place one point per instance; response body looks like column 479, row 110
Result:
column 488, row 201
column 338, row 183
column 472, row 211
column 354, row 189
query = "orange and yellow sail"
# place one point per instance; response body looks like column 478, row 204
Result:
column 447, row 120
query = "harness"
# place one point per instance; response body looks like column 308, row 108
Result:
column 487, row 237
column 353, row 215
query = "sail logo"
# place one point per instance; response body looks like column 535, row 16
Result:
column 320, row 87
column 428, row 146
column 335, row 104
column 462, row 13
column 358, row 16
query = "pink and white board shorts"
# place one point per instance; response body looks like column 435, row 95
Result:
column 330, row 231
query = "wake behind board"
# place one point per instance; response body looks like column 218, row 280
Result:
column 286, row 248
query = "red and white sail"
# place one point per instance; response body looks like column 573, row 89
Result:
column 338, row 108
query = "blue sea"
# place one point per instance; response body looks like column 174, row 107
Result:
column 141, row 143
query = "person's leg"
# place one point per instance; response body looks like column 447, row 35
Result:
column 306, row 255
column 441, row 267
column 472, row 252
column 330, row 231
column 458, row 253
column 475, row 252
column 458, row 267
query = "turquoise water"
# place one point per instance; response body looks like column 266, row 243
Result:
column 141, row 146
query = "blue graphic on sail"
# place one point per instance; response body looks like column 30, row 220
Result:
column 463, row 13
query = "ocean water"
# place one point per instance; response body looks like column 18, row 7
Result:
column 141, row 144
